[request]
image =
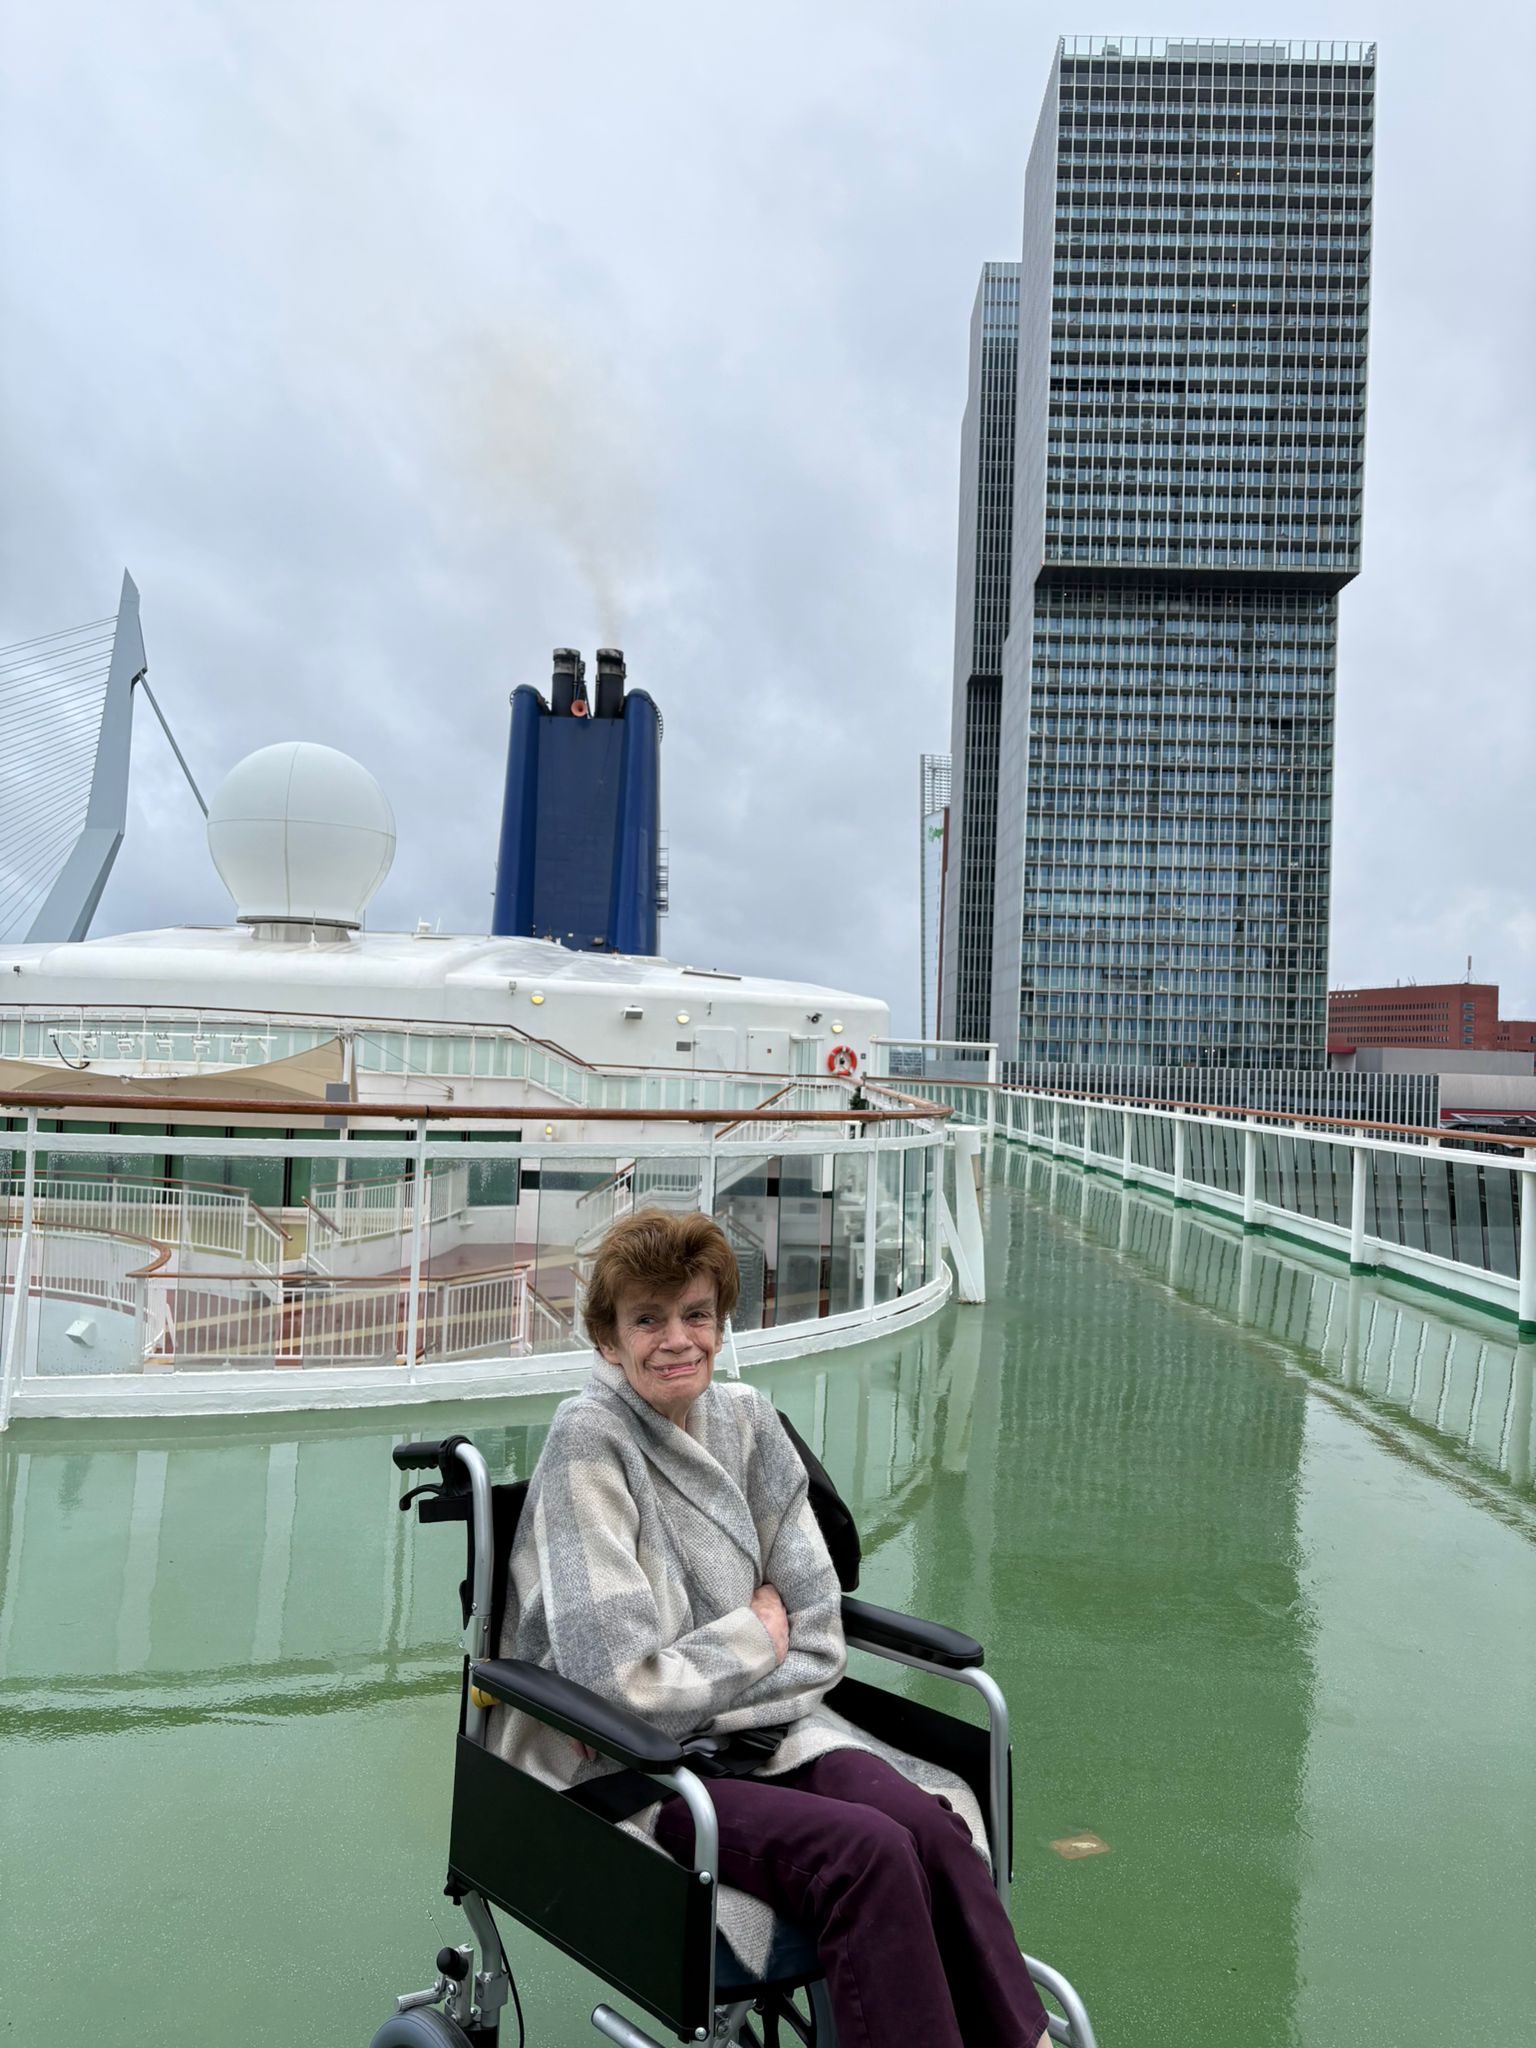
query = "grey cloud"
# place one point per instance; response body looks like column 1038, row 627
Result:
column 390, row 348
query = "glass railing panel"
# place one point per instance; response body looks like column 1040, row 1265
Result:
column 1270, row 1150
column 1334, row 1168
column 850, row 1182
column 1502, row 1191
column 914, row 1215
column 1438, row 1229
column 578, row 1199
column 668, row 1180
column 1411, row 1196
column 888, row 1225
column 747, row 1210
column 1156, row 1143
column 346, row 1304
column 805, row 1217
column 480, row 1240
column 1467, row 1203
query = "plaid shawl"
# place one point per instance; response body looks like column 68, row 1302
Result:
column 639, row 1550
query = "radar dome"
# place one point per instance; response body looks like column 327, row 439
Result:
column 301, row 833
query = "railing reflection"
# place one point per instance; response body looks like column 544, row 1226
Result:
column 224, row 1571
column 1461, row 1379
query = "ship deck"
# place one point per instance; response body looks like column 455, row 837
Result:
column 1250, row 1542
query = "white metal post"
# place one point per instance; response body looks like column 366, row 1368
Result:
column 1525, row 1181
column 1360, row 1162
column 1126, row 1169
column 936, row 1215
column 21, row 1283
column 969, row 1247
column 1180, row 1161
column 1087, row 1133
column 420, row 1219
column 871, row 1200
column 1250, row 1177
column 1055, row 1127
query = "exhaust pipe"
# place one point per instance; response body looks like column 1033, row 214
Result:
column 610, row 682
column 570, row 680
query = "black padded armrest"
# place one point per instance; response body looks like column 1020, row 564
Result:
column 881, row 1628
column 558, row 1703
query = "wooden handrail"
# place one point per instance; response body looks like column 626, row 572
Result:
column 161, row 1248
column 434, row 1112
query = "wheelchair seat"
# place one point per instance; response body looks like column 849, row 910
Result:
column 791, row 1960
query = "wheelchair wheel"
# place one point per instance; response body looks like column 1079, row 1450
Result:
column 422, row 2028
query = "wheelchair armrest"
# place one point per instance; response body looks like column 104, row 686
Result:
column 558, row 1703
column 880, row 1628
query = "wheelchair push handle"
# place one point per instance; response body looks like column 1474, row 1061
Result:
column 444, row 1454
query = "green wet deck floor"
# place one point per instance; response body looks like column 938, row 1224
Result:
column 1250, row 1544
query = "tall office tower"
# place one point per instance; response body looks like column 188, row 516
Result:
column 933, row 836
column 981, row 626
column 1191, row 415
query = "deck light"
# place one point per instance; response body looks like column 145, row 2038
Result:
column 537, row 996
column 837, row 1024
column 682, row 1016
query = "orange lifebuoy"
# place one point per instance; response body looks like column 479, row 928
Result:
column 842, row 1059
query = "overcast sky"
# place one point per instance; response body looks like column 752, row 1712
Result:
column 390, row 346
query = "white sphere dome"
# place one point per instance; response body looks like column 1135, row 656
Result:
column 300, row 831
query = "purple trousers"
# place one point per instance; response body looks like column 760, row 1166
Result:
column 914, row 1940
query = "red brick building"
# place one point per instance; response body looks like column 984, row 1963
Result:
column 1516, row 1034
column 1448, row 1013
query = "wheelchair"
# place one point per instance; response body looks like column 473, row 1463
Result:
column 518, row 1844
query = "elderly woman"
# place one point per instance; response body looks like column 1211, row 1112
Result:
column 669, row 1560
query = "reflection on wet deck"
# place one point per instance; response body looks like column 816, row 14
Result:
column 1249, row 1645
column 1462, row 1379
column 185, row 1571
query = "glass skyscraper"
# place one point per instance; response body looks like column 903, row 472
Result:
column 981, row 627
column 1188, row 453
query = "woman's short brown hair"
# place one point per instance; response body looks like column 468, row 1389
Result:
column 654, row 1248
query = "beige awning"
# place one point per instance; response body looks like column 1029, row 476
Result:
column 302, row 1077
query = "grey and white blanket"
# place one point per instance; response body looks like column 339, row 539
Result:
column 637, row 1555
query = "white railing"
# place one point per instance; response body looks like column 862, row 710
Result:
column 490, row 1313
column 218, row 1222
column 858, row 1203
column 358, row 1211
column 84, row 1266
column 637, row 1185
column 1439, row 1209
column 212, row 1322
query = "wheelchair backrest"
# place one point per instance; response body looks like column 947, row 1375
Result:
column 506, row 1512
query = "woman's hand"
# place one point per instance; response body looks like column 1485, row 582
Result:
column 769, row 1609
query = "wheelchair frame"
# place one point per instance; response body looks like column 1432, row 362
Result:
column 463, row 2008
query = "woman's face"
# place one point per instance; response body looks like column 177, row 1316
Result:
column 665, row 1344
